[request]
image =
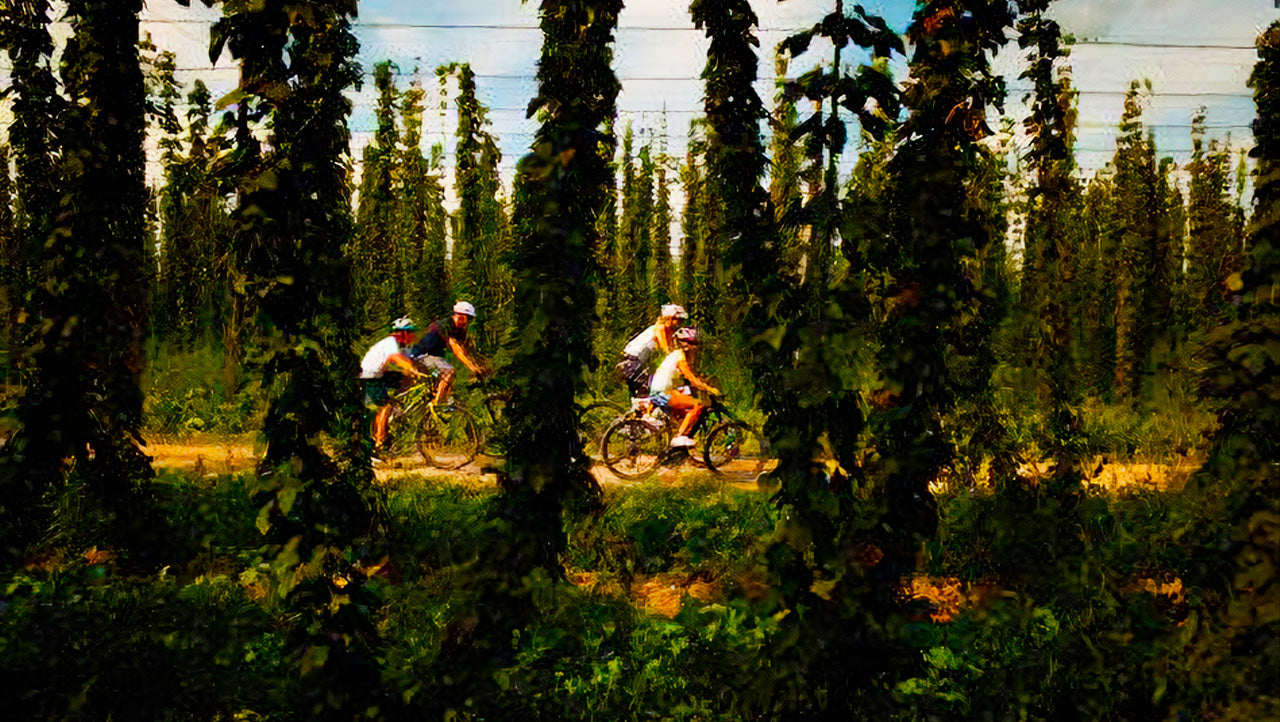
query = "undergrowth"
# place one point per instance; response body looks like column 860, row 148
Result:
column 1072, row 624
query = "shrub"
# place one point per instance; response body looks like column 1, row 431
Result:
column 193, row 391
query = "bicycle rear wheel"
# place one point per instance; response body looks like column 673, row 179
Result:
column 735, row 446
column 448, row 438
column 632, row 448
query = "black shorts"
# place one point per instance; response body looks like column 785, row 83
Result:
column 378, row 392
column 630, row 371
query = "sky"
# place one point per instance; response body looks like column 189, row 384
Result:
column 1194, row 52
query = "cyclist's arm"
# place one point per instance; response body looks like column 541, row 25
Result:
column 465, row 356
column 666, row 338
column 694, row 380
column 402, row 362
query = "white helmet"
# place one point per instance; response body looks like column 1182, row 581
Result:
column 465, row 308
column 672, row 310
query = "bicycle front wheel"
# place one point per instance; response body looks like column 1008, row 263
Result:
column 631, row 448
column 735, row 446
column 448, row 438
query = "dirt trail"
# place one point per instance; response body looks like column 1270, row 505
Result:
column 223, row 456
column 213, row 457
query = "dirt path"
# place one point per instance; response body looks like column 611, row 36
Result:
column 212, row 457
column 223, row 456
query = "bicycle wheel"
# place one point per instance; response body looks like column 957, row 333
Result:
column 593, row 420
column 448, row 438
column 632, row 448
column 735, row 446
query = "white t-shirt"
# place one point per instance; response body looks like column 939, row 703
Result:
column 643, row 345
column 668, row 375
column 375, row 361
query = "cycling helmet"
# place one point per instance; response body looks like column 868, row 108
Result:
column 464, row 308
column 404, row 323
column 688, row 334
column 672, row 310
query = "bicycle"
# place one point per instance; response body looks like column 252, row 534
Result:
column 446, row 436
column 638, row 442
column 593, row 418
column 489, row 412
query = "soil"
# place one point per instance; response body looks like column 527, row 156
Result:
column 211, row 457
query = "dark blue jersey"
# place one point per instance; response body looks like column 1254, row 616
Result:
column 436, row 340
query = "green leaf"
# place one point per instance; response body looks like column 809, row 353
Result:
column 233, row 98
column 314, row 658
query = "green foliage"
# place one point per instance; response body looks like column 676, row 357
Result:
column 481, row 229
column 1141, row 260
column 193, row 293
column 663, row 285
column 83, row 644
column 195, row 392
column 10, row 261
column 423, row 219
column 1094, row 297
column 656, row 529
column 294, row 222
column 640, row 265
column 37, row 117
column 1237, row 564
column 437, row 525
column 82, row 408
column 1214, row 233
column 633, row 307
column 700, row 665
column 301, row 590
column 377, row 254
column 561, row 192
column 693, row 226
column 591, row 653
column 785, row 156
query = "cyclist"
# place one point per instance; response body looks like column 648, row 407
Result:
column 640, row 350
column 383, row 371
column 448, row 333
column 669, row 388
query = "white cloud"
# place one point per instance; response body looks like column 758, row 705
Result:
column 505, row 58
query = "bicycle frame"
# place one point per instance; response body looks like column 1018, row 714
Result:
column 715, row 409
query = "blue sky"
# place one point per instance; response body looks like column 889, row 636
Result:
column 659, row 56
column 660, row 67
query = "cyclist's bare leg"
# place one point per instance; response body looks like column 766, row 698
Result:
column 380, row 425
column 691, row 418
column 445, row 387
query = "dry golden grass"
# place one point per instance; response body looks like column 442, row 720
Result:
column 947, row 596
column 664, row 593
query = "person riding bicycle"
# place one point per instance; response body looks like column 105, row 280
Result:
column 633, row 369
column 448, row 333
column 671, row 382
column 379, row 374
